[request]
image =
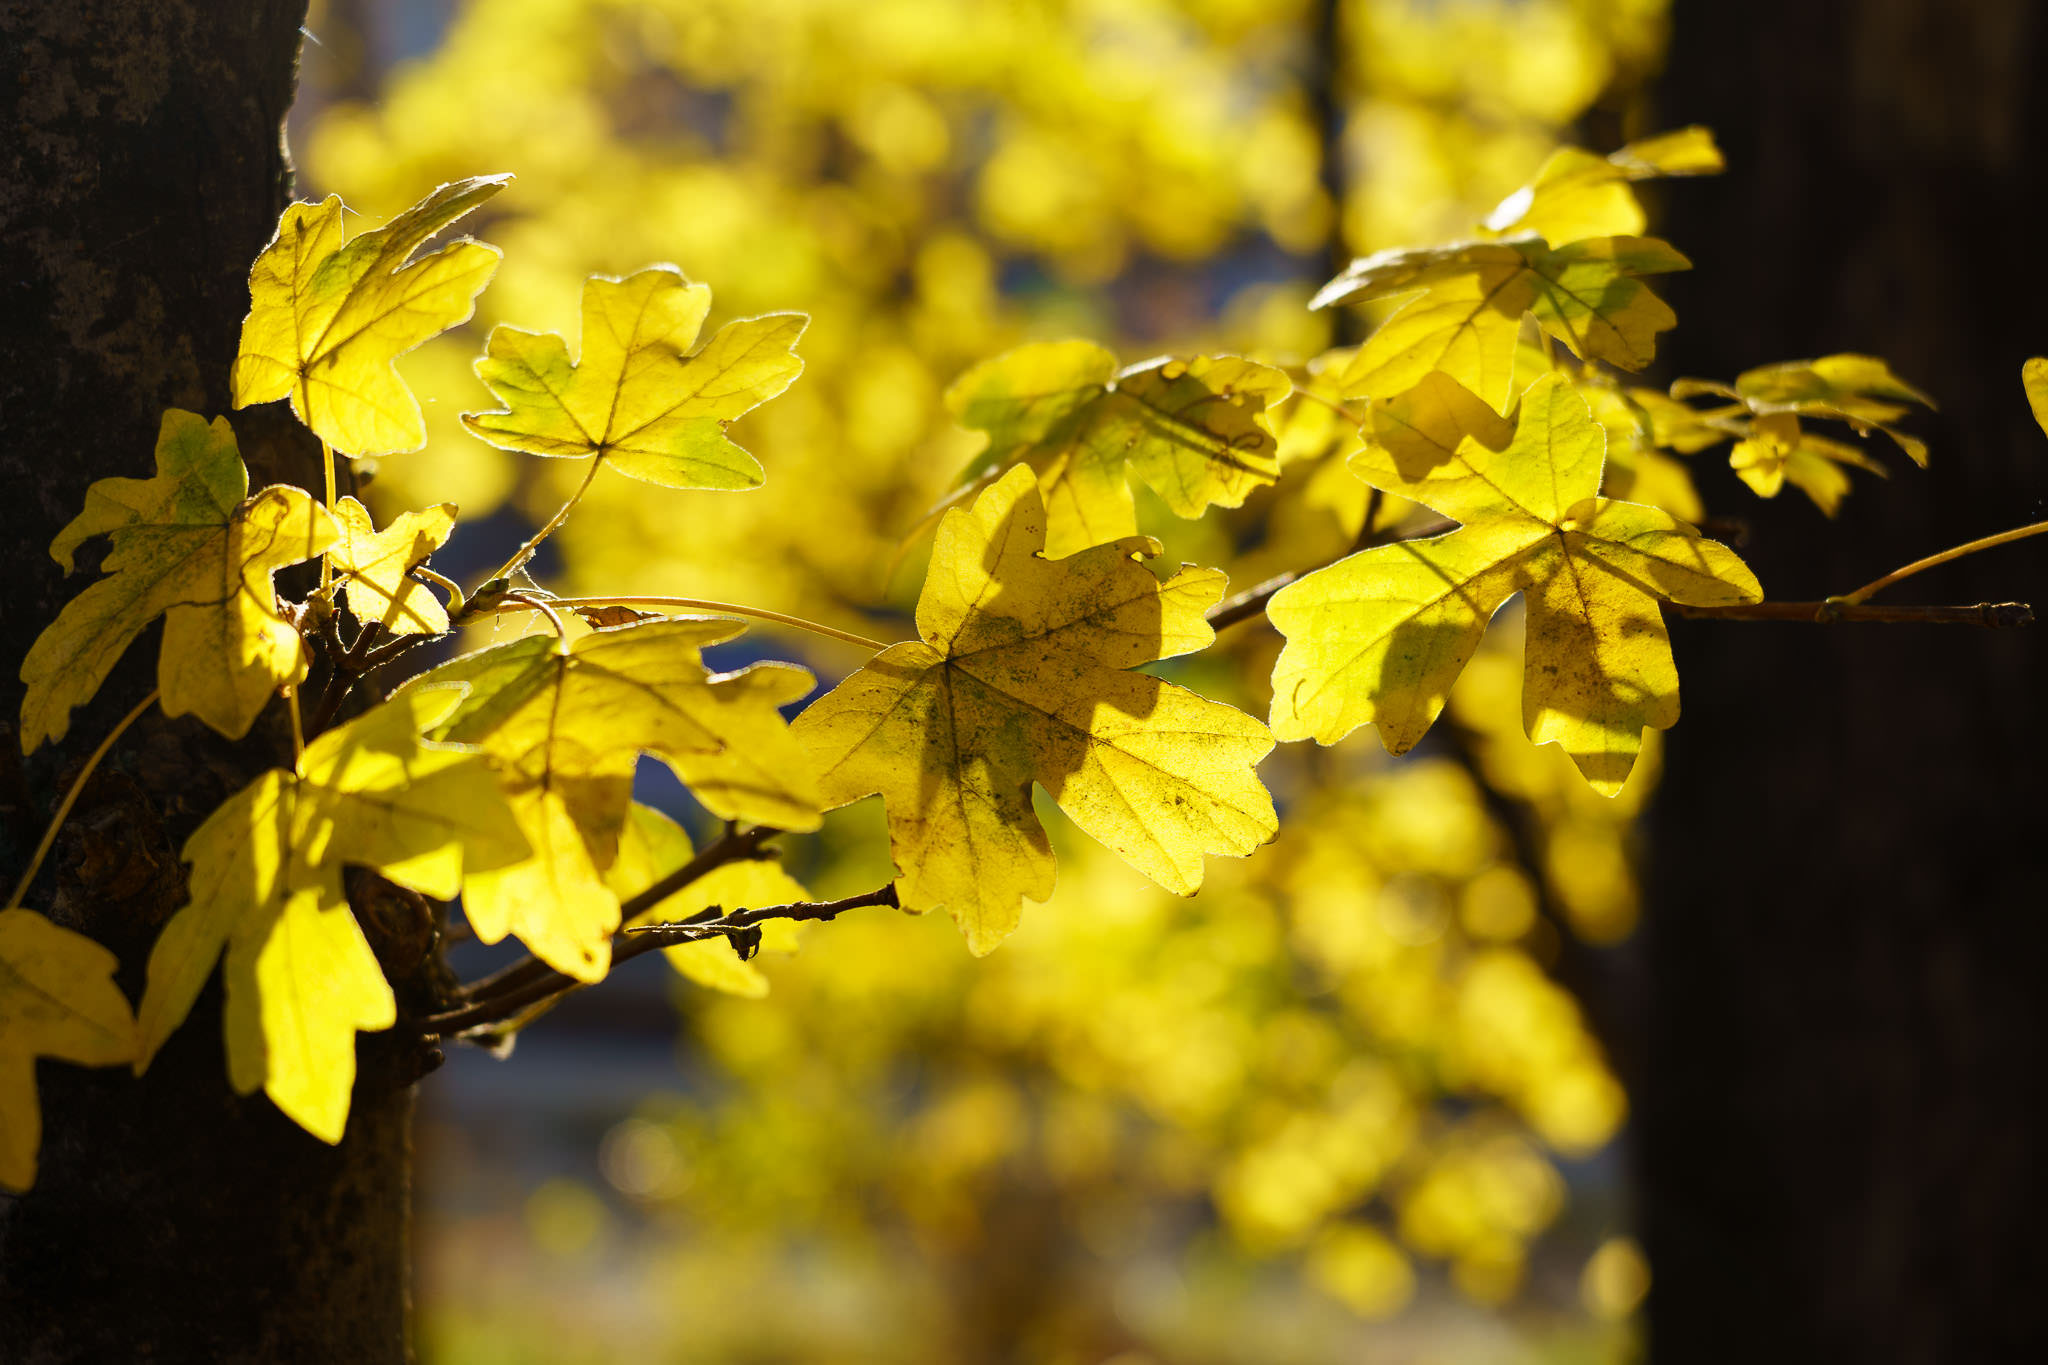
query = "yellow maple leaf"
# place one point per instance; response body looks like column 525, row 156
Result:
column 1766, row 418
column 650, row 847
column 327, row 317
column 2034, row 380
column 1471, row 296
column 186, row 545
column 266, row 889
column 1381, row 636
column 1195, row 430
column 57, row 999
column 374, row 566
column 1578, row 194
column 638, row 399
column 564, row 728
column 1020, row 676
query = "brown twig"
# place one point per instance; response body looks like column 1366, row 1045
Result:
column 1996, row 615
column 735, row 845
column 532, row 988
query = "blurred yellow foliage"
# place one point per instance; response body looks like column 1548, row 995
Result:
column 1345, row 1063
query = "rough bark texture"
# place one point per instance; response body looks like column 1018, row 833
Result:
column 141, row 169
column 1842, row 1121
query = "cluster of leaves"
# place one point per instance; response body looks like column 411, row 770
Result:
column 505, row 777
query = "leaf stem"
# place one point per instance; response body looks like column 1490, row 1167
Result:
column 327, row 468
column 92, row 762
column 705, row 604
column 1872, row 588
column 541, row 605
column 525, row 552
column 291, row 701
column 443, row 582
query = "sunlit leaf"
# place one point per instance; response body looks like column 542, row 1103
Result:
column 638, row 398
column 565, row 727
column 1020, row 676
column 1472, row 296
column 328, row 318
column 374, row 566
column 266, row 889
column 1764, row 417
column 1381, row 636
column 1578, row 194
column 2034, row 378
column 57, row 999
column 187, row 546
column 650, row 847
column 1194, row 430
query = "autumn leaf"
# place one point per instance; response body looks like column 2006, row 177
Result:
column 1578, row 194
column 328, row 318
column 638, row 399
column 1471, row 297
column 1765, row 416
column 374, row 566
column 2034, row 379
column 564, row 728
column 266, row 891
column 1020, row 676
column 1381, row 636
column 186, row 545
column 650, row 847
column 57, row 999
column 1195, row 430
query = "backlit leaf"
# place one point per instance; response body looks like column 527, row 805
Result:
column 375, row 564
column 1020, row 676
column 1578, row 194
column 266, row 889
column 2034, row 379
column 187, row 546
column 565, row 727
column 638, row 399
column 1381, row 636
column 327, row 318
column 57, row 999
column 1473, row 295
column 1765, row 415
column 1195, row 430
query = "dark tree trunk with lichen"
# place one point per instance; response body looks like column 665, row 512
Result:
column 141, row 169
column 1842, row 1119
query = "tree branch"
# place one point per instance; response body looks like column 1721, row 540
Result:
column 1996, row 615
column 530, row 988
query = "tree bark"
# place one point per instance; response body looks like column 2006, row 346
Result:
column 141, row 170
column 1842, row 1117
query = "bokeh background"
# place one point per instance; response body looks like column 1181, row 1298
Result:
column 1354, row 1102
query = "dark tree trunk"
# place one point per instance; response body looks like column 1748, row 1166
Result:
column 1842, row 1119
column 141, row 169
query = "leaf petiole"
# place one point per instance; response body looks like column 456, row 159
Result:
column 725, row 609
column 92, row 762
column 525, row 552
column 1870, row 589
column 327, row 468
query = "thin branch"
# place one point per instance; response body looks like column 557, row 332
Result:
column 534, row 988
column 1996, row 615
column 731, row 847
